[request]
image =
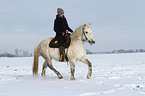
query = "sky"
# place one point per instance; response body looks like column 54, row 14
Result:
column 116, row 24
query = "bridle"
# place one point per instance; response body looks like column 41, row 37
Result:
column 84, row 33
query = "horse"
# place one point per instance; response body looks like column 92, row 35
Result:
column 75, row 52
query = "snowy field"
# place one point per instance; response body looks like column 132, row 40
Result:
column 113, row 75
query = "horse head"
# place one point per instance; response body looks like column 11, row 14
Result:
column 87, row 34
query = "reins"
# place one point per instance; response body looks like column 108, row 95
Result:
column 67, row 40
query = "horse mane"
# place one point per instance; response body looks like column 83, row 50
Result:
column 77, row 33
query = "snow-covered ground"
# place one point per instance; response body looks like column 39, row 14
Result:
column 113, row 75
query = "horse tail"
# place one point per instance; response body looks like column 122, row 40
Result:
column 36, row 61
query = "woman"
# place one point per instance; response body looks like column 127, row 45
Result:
column 61, row 27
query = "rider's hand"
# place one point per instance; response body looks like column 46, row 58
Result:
column 69, row 32
column 63, row 34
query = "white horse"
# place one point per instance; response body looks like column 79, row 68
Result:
column 75, row 52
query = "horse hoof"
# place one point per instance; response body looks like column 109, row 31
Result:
column 42, row 75
column 88, row 77
column 60, row 77
column 73, row 79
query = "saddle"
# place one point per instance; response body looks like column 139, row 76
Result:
column 54, row 43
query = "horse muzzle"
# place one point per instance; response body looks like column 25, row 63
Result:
column 91, row 42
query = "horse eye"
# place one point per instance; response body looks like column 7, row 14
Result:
column 87, row 32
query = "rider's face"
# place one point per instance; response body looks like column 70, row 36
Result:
column 61, row 15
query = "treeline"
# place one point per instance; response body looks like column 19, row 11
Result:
column 22, row 53
column 122, row 51
column 7, row 55
column 18, row 53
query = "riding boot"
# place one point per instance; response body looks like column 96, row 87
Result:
column 62, row 52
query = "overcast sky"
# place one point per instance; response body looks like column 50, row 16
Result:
column 116, row 24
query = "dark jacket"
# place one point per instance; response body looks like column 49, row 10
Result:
column 61, row 25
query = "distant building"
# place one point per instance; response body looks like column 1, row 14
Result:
column 22, row 53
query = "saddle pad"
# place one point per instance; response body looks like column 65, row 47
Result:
column 54, row 43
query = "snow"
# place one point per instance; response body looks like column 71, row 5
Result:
column 113, row 75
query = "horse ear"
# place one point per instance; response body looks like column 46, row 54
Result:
column 85, row 25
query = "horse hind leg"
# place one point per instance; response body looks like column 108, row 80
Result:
column 53, row 69
column 48, row 62
column 44, row 68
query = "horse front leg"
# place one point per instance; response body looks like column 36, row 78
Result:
column 86, row 61
column 72, row 69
